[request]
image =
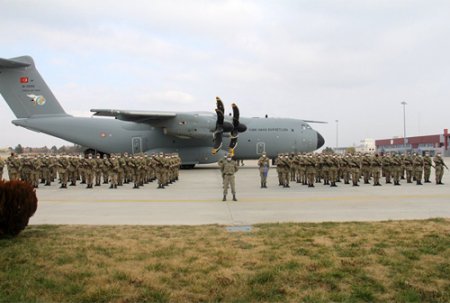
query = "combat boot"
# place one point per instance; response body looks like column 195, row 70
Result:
column 111, row 186
column 418, row 182
column 224, row 198
column 234, row 197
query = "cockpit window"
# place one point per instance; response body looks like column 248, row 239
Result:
column 305, row 126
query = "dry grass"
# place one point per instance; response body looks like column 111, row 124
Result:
column 352, row 262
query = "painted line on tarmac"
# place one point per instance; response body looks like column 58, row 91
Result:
column 266, row 199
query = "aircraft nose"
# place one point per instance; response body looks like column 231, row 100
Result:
column 320, row 141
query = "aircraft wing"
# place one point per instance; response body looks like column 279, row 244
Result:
column 312, row 121
column 134, row 115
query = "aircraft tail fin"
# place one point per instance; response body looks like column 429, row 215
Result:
column 25, row 91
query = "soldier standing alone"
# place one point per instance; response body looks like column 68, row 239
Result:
column 264, row 164
column 228, row 168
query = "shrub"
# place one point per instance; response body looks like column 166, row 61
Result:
column 18, row 202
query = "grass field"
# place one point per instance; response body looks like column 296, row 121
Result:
column 402, row 261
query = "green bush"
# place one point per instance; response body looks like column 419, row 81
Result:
column 18, row 202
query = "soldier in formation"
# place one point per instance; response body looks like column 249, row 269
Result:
column 2, row 164
column 439, row 168
column 418, row 168
column 116, row 169
column 312, row 168
column 427, row 163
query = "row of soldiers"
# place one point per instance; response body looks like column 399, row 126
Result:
column 116, row 169
column 312, row 168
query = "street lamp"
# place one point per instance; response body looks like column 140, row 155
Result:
column 337, row 133
column 404, row 123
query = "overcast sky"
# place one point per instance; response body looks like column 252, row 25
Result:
column 352, row 61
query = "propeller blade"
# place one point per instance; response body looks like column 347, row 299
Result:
column 235, row 115
column 218, row 132
column 234, row 132
column 220, row 110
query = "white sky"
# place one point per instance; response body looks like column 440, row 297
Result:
column 354, row 61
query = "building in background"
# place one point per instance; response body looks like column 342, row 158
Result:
column 365, row 146
column 420, row 144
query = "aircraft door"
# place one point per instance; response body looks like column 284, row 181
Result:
column 136, row 145
column 260, row 148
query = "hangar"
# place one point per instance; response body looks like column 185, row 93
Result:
column 419, row 144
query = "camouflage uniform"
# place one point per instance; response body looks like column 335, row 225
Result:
column 292, row 167
column 121, row 172
column 397, row 168
column 310, row 164
column 264, row 165
column 355, row 166
column 439, row 168
column 325, row 163
column 90, row 165
column 301, row 169
column 2, row 164
column 278, row 169
column 128, row 171
column 160, row 170
column 334, row 167
column 228, row 168
column 386, row 160
column 376, row 170
column 365, row 168
column 63, row 165
column 285, row 168
column 427, row 163
column 99, row 166
column 346, row 169
column 47, row 167
column 142, row 167
column 105, row 169
column 114, row 167
column 408, row 163
column 72, row 170
column 26, row 168
column 13, row 165
column 418, row 168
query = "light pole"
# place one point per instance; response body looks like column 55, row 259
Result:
column 404, row 124
column 337, row 133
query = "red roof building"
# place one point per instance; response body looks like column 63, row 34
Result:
column 420, row 144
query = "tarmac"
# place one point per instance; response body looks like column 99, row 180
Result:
column 196, row 199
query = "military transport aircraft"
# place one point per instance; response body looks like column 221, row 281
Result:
column 196, row 136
